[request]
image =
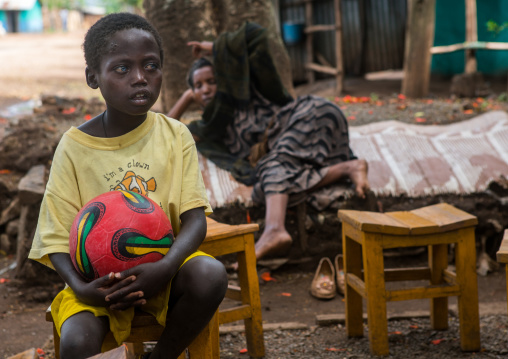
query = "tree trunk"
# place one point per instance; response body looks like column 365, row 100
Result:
column 180, row 21
column 419, row 38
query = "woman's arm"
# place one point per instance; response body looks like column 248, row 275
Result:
column 182, row 104
column 201, row 48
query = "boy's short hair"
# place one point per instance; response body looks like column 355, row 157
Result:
column 196, row 65
column 97, row 37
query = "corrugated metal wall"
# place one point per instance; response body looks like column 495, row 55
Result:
column 373, row 34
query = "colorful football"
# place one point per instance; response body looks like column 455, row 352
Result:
column 116, row 231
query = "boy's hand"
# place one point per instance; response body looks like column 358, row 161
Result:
column 151, row 278
column 95, row 292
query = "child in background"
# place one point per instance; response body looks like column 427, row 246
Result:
column 120, row 148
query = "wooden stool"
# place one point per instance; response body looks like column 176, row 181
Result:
column 368, row 233
column 502, row 254
column 221, row 239
column 144, row 328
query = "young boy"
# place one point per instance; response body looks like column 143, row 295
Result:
column 122, row 148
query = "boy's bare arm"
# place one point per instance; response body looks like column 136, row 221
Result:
column 151, row 278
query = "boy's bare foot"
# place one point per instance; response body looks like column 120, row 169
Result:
column 358, row 175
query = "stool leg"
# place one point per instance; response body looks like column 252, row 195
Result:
column 249, row 284
column 506, row 276
column 374, row 272
column 206, row 344
column 438, row 262
column 56, row 342
column 352, row 254
column 465, row 263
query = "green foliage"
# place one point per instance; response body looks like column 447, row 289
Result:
column 122, row 5
column 110, row 5
column 496, row 28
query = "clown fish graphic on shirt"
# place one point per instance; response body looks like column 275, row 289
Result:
column 135, row 183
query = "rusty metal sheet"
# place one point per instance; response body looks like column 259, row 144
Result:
column 421, row 160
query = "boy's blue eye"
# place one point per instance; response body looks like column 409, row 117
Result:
column 121, row 69
column 152, row 66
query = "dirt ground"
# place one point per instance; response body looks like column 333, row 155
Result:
column 52, row 64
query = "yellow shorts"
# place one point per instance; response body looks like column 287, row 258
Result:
column 66, row 304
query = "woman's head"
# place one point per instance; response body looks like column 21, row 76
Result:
column 97, row 39
column 201, row 80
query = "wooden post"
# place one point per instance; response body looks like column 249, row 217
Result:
column 471, row 35
column 419, row 39
column 338, row 48
column 308, row 44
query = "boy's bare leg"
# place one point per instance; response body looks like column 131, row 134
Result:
column 275, row 238
column 355, row 170
column 196, row 292
column 82, row 335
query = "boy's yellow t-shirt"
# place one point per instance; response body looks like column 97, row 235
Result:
column 158, row 159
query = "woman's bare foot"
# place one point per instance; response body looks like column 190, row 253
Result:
column 273, row 241
column 358, row 175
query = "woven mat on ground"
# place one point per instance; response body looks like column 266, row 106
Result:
column 414, row 160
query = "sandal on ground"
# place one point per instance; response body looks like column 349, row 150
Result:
column 339, row 272
column 323, row 285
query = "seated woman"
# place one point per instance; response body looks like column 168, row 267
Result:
column 251, row 126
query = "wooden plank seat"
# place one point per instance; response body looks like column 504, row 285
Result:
column 366, row 234
column 221, row 239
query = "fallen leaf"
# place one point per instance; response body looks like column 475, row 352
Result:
column 243, row 351
column 468, row 112
column 437, row 341
column 401, row 96
column 3, row 280
column 420, row 119
column 413, row 326
column 419, row 114
column 5, row 172
column 396, row 333
column 335, row 350
column 351, row 118
column 371, row 112
column 68, row 111
column 40, row 352
column 87, row 117
column 248, row 217
column 284, row 294
column 266, row 276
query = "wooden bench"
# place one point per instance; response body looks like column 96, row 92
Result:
column 366, row 234
column 502, row 254
column 221, row 239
